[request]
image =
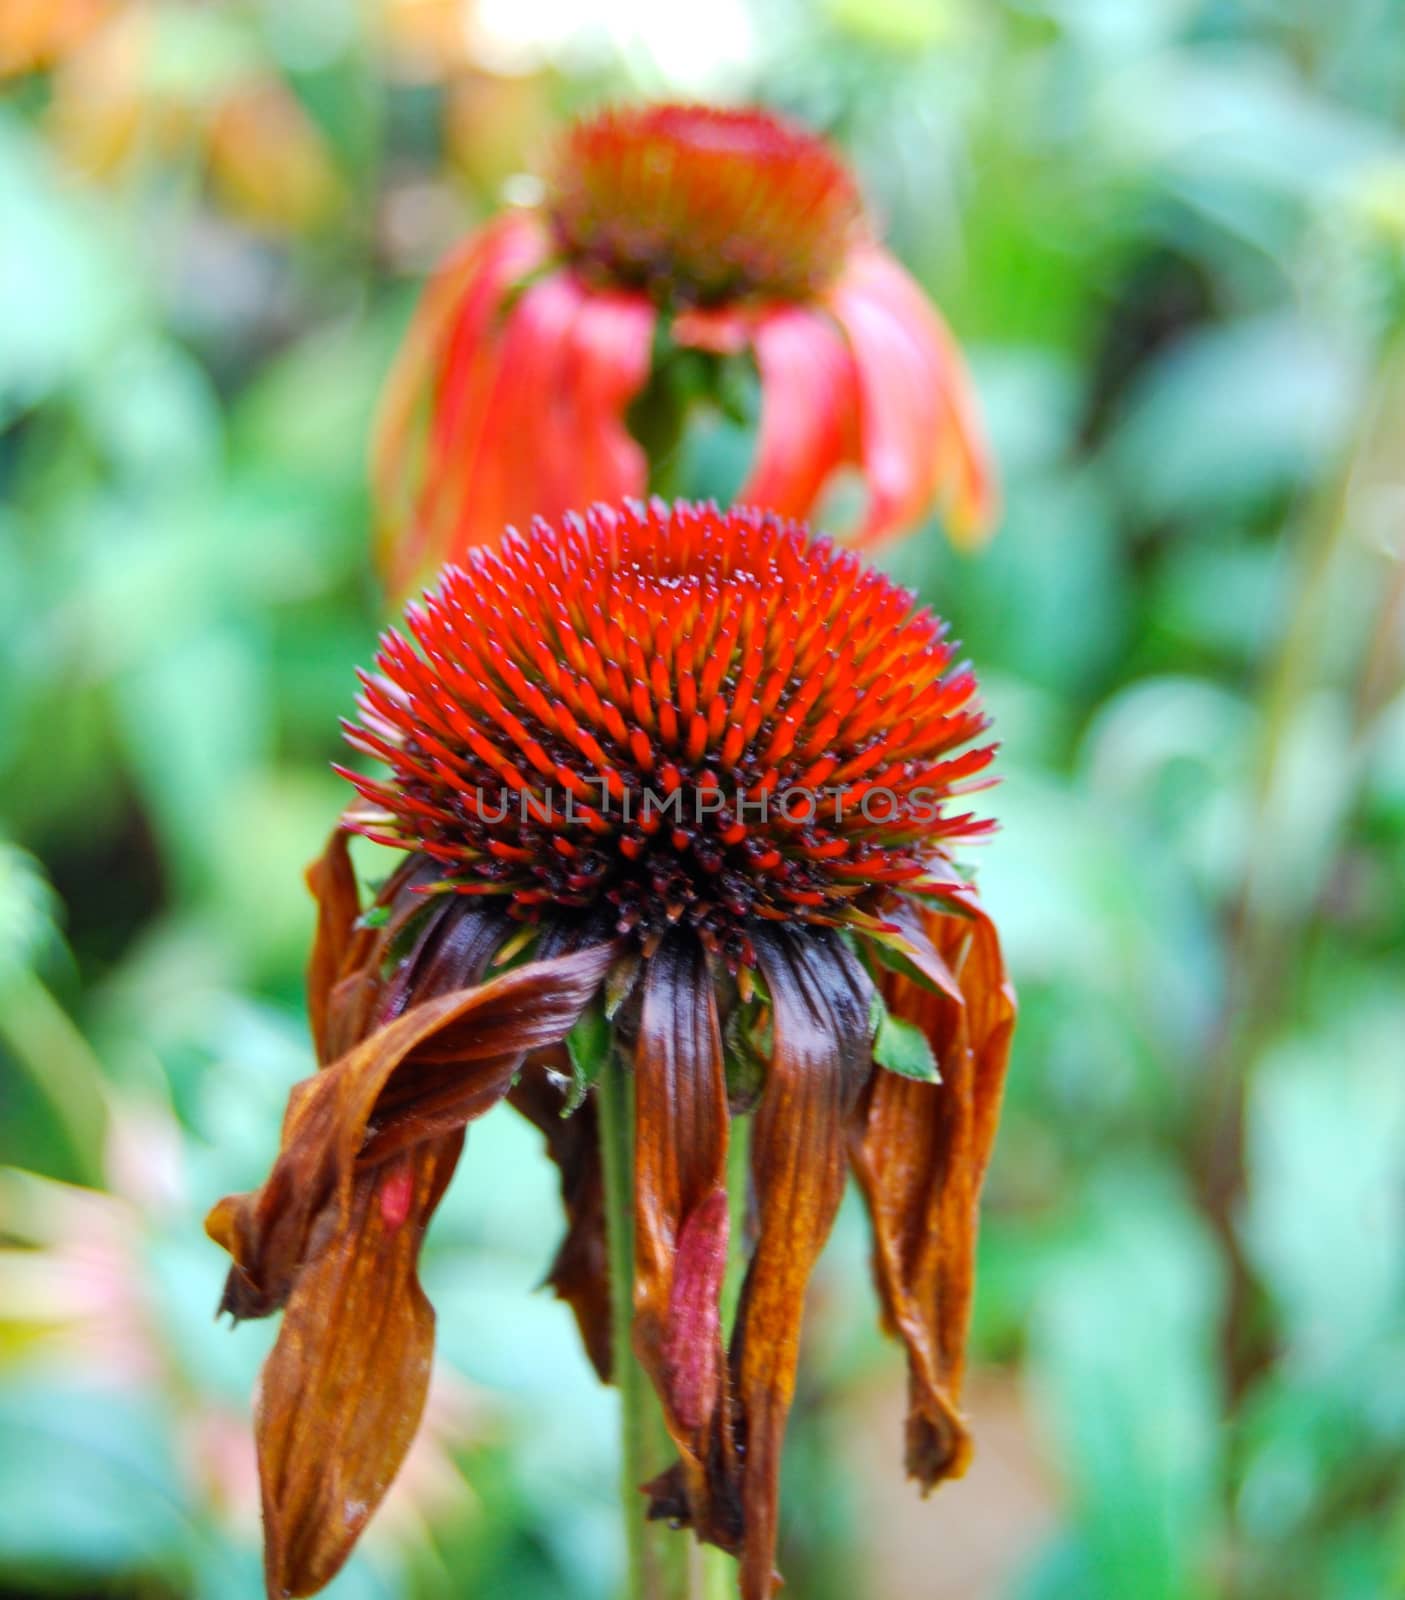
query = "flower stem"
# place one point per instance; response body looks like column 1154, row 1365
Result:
column 658, row 1565
column 46, row 1043
column 1265, row 938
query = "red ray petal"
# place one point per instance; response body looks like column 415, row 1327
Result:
column 921, row 437
column 609, row 363
column 432, row 412
column 808, row 406
column 722, row 330
column 524, row 454
column 554, row 434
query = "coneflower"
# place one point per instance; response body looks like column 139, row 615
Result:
column 677, row 790
column 667, row 227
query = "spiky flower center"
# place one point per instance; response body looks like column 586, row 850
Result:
column 700, row 205
column 684, row 715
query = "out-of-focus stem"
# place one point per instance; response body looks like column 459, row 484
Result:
column 658, row 419
column 43, row 1040
column 1263, row 939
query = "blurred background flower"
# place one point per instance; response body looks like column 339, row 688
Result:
column 686, row 258
column 1172, row 238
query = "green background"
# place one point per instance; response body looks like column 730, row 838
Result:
column 1171, row 235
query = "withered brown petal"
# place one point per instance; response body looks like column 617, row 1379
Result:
column 821, row 997
column 450, row 946
column 437, row 1067
column 580, row 1273
column 919, row 1152
column 680, row 1199
column 343, row 1389
column 332, row 880
column 348, row 994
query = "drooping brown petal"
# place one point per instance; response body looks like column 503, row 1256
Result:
column 919, row 1152
column 820, row 996
column 580, row 1273
column 430, row 1071
column 368, row 1146
column 452, row 947
column 332, row 880
column 343, row 1390
column 680, row 1199
column 346, row 983
column 344, row 1387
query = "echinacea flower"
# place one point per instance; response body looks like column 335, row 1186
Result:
column 728, row 231
column 688, row 781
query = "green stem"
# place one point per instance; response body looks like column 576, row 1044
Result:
column 658, row 1564
column 738, row 1194
column 658, row 417
column 44, row 1040
column 1264, row 940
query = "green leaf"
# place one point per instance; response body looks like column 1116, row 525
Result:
column 760, row 994
column 1129, row 1379
column 1326, row 1149
column 902, row 1047
column 620, row 981
column 588, row 1045
column 403, row 941
column 747, row 1042
column 29, row 910
column 887, row 951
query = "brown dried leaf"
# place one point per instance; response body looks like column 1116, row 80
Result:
column 332, row 880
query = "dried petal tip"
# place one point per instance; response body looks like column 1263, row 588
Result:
column 701, row 205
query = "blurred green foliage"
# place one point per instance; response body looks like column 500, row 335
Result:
column 1172, row 236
